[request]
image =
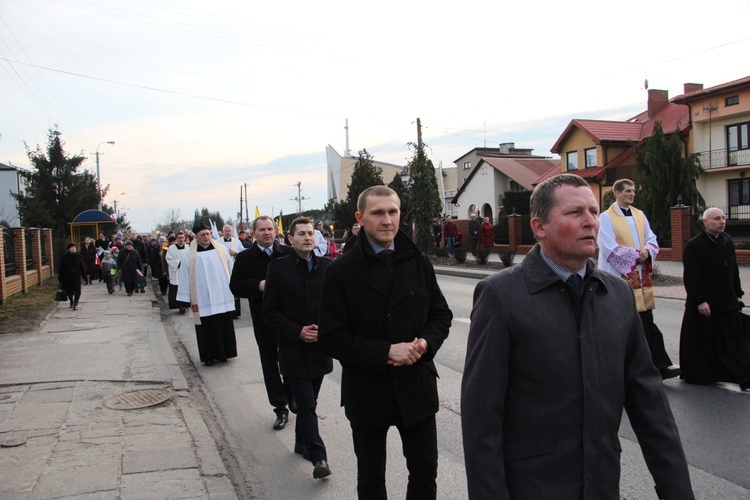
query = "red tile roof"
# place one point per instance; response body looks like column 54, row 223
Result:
column 522, row 170
column 696, row 94
column 549, row 174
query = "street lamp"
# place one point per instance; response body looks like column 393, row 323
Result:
column 98, row 177
column 115, row 200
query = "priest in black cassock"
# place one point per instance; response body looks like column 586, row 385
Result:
column 204, row 283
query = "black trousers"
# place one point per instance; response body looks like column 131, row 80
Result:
column 419, row 445
column 655, row 341
column 306, row 428
column 278, row 392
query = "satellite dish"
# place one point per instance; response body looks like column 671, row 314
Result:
column 645, row 83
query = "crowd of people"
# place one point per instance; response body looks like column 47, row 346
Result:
column 558, row 346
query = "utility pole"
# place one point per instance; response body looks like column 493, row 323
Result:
column 240, row 214
column 247, row 216
column 419, row 133
column 347, row 152
column 299, row 196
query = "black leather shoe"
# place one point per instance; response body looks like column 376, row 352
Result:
column 301, row 450
column 210, row 362
column 280, row 422
column 321, row 470
column 293, row 405
column 670, row 372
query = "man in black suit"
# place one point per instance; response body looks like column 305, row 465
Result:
column 291, row 307
column 384, row 318
column 249, row 281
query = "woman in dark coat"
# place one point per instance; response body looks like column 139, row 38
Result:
column 71, row 270
column 487, row 234
column 129, row 265
column 88, row 254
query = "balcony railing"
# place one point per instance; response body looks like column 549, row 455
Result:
column 720, row 158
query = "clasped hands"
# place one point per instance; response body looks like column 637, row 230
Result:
column 407, row 353
column 309, row 334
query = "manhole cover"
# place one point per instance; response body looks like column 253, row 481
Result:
column 138, row 399
column 10, row 443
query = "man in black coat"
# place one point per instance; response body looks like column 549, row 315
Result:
column 384, row 318
column 713, row 346
column 291, row 301
column 474, row 227
column 249, row 281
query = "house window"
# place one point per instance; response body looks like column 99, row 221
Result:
column 467, row 165
column 591, row 158
column 738, row 140
column 514, row 186
column 571, row 160
column 739, row 192
column 731, row 101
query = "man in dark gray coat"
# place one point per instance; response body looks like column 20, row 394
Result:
column 555, row 352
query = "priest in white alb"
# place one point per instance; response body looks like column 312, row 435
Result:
column 204, row 283
column 628, row 248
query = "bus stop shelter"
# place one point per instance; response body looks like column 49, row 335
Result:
column 90, row 223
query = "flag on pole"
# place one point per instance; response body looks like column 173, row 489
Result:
column 257, row 212
column 281, row 225
column 214, row 230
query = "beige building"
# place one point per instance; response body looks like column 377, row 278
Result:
column 720, row 118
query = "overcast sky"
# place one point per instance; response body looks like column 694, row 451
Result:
column 202, row 97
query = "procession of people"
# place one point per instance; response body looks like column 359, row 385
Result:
column 379, row 311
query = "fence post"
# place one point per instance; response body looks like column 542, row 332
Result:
column 681, row 233
column 47, row 232
column 515, row 236
column 20, row 236
column 36, row 249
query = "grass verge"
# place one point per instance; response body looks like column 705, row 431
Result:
column 24, row 312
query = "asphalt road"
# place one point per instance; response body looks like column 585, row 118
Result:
column 713, row 422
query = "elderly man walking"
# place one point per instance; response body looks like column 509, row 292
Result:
column 713, row 345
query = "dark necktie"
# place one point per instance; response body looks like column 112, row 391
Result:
column 576, row 282
column 386, row 255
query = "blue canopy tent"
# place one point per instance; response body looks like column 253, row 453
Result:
column 90, row 223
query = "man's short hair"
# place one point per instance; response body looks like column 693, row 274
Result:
column 374, row 191
column 226, row 226
column 619, row 185
column 543, row 197
column 705, row 212
column 263, row 217
column 298, row 221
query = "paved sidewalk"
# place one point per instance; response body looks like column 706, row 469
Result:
column 58, row 440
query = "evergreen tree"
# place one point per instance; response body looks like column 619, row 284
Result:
column 205, row 216
column 667, row 176
column 364, row 175
column 403, row 193
column 55, row 191
column 424, row 197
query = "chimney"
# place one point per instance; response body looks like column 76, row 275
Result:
column 692, row 87
column 657, row 100
column 505, row 147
